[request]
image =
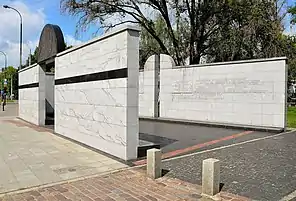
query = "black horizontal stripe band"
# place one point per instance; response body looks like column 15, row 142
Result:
column 25, row 86
column 106, row 75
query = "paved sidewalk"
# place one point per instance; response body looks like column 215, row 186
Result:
column 32, row 156
column 126, row 185
column 11, row 110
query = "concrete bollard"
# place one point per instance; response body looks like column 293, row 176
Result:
column 154, row 163
column 210, row 177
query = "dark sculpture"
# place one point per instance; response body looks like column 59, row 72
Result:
column 51, row 43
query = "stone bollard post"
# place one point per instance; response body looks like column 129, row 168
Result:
column 154, row 163
column 210, row 177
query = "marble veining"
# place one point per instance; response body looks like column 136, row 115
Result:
column 214, row 94
column 97, row 107
column 107, row 58
column 104, row 130
column 108, row 97
column 245, row 93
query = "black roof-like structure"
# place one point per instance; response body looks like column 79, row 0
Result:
column 51, row 43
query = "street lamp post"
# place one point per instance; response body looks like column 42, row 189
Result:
column 30, row 52
column 5, row 62
column 5, row 67
column 21, row 32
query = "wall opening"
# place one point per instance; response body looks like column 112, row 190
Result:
column 49, row 93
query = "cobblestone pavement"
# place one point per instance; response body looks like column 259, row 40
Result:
column 263, row 169
column 32, row 156
column 125, row 185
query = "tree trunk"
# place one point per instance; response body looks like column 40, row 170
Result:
column 195, row 59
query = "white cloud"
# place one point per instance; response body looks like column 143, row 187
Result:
column 70, row 40
column 33, row 22
column 148, row 12
column 290, row 30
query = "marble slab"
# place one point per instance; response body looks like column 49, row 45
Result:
column 242, row 93
column 96, row 93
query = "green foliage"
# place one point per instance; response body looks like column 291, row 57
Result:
column 149, row 45
column 288, row 47
column 252, row 30
column 10, row 71
column 292, row 11
column 198, row 18
column 218, row 30
column 291, row 117
column 10, row 74
column 34, row 57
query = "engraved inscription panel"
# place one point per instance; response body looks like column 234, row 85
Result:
column 215, row 89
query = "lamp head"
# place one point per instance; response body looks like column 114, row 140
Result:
column 6, row 6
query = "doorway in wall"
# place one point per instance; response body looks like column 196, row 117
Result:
column 49, row 94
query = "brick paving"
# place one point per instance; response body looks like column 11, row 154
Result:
column 126, row 185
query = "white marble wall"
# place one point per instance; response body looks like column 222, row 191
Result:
column 31, row 109
column 148, row 99
column 102, row 114
column 243, row 93
column 29, row 75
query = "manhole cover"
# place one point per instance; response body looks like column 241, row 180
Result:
column 65, row 170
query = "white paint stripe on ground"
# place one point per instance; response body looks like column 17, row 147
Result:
column 289, row 197
column 231, row 145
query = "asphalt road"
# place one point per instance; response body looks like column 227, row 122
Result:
column 173, row 136
column 261, row 170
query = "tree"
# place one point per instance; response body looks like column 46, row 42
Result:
column 292, row 11
column 201, row 18
column 218, row 30
column 68, row 46
column 10, row 74
column 33, row 57
column 254, row 30
column 289, row 46
column 149, row 46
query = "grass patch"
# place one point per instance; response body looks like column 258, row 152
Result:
column 291, row 117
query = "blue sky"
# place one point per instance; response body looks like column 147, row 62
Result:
column 67, row 23
column 53, row 15
column 37, row 13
